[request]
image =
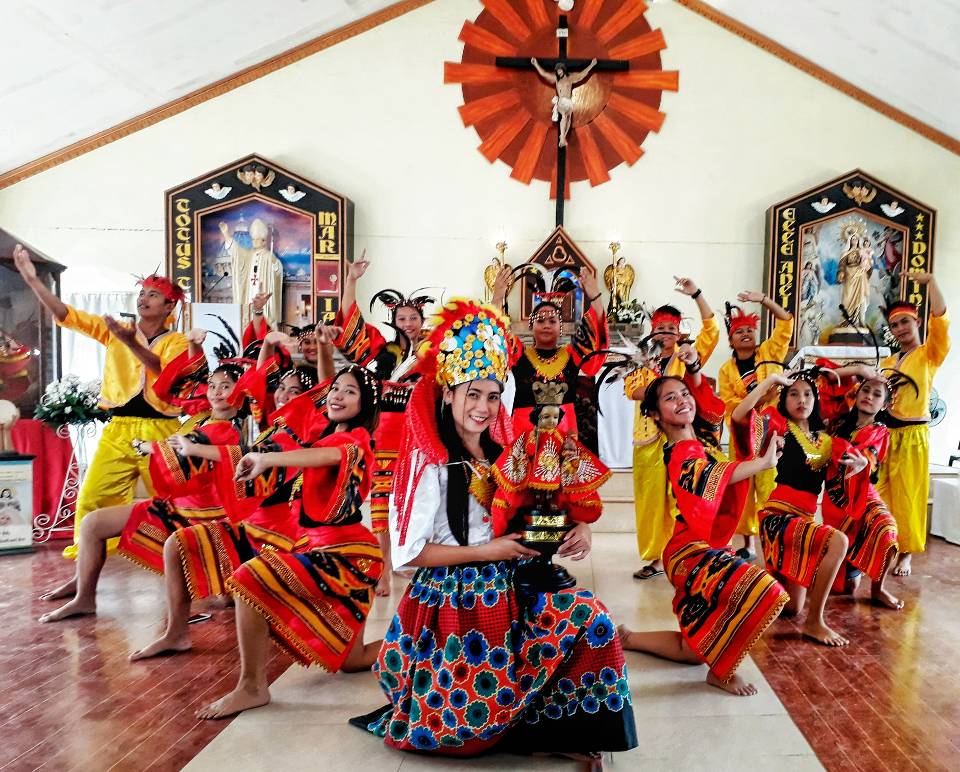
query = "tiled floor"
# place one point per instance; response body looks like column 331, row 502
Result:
column 70, row 700
column 682, row 723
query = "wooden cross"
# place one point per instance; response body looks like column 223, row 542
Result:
column 571, row 65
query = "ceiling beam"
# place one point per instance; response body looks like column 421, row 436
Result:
column 207, row 92
column 810, row 68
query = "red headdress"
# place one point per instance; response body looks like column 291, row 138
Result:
column 164, row 286
column 735, row 318
column 663, row 314
column 467, row 342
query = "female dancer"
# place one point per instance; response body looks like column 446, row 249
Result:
column 184, row 493
column 312, row 599
column 198, row 560
column 467, row 663
column 654, row 507
column 394, row 364
column 723, row 603
column 871, row 532
column 800, row 552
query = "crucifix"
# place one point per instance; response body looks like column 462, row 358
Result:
column 565, row 74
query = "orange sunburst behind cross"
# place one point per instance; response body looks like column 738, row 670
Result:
column 511, row 109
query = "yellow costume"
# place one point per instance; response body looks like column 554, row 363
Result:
column 115, row 468
column 905, row 476
column 654, row 506
column 733, row 391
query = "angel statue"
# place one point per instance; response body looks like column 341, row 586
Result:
column 619, row 278
column 491, row 272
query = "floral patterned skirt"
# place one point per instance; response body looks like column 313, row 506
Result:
column 468, row 663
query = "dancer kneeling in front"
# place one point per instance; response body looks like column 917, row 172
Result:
column 723, row 603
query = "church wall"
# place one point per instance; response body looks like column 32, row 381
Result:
column 371, row 118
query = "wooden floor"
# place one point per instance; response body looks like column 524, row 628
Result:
column 70, row 700
column 890, row 700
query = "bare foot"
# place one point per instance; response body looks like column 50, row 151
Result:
column 236, row 701
column 66, row 590
column 383, row 586
column 903, row 567
column 880, row 597
column 75, row 608
column 624, row 633
column 734, row 685
column 823, row 634
column 163, row 645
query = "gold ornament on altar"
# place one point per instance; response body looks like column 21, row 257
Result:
column 491, row 271
column 618, row 278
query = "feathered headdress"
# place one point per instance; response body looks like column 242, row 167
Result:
column 735, row 318
column 394, row 300
column 163, row 285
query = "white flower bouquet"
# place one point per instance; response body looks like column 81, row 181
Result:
column 629, row 313
column 68, row 401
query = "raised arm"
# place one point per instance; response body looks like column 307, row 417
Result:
column 935, row 299
column 28, row 271
column 747, row 296
column 545, row 74
column 688, row 287
column 584, row 73
column 325, row 336
column 357, row 269
column 195, row 339
column 742, row 411
column 588, row 278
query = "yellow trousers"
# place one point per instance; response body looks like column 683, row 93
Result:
column 905, row 484
column 761, row 486
column 654, row 506
column 112, row 476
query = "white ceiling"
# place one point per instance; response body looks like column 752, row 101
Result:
column 72, row 68
column 69, row 69
column 903, row 52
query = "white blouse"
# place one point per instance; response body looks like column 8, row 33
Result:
column 428, row 518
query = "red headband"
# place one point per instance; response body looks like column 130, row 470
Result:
column 903, row 311
column 664, row 316
column 743, row 320
column 164, row 286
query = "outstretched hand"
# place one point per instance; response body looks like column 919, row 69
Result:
column 685, row 285
column 588, row 279
column 749, row 296
column 250, row 467
column 854, row 460
column 260, row 300
column 773, row 452
column 125, row 333
column 197, row 336
column 21, row 259
column 358, row 267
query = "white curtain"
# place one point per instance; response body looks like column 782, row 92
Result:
column 83, row 356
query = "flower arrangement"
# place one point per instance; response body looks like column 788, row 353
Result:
column 629, row 313
column 68, row 401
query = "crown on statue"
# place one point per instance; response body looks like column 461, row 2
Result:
column 549, row 393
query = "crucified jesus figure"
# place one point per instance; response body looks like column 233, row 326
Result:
column 565, row 83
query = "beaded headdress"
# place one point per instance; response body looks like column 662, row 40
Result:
column 468, row 342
